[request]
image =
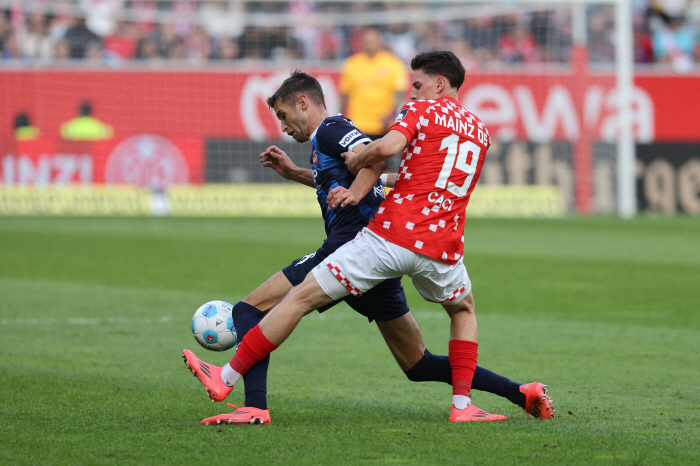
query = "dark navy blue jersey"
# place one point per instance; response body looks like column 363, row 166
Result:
column 334, row 136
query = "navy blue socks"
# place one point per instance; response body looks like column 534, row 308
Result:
column 245, row 317
column 433, row 368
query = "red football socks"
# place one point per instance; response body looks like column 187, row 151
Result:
column 254, row 347
column 463, row 364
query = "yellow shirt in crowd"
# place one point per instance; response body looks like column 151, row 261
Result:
column 371, row 85
column 86, row 129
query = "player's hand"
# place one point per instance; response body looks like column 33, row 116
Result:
column 352, row 162
column 341, row 197
column 278, row 160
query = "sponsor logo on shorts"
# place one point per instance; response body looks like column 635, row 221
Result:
column 305, row 258
column 347, row 139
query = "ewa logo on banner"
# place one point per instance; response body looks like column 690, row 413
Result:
column 147, row 160
column 518, row 111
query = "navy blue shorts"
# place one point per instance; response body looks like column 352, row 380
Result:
column 386, row 301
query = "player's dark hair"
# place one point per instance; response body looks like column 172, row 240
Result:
column 440, row 63
column 296, row 84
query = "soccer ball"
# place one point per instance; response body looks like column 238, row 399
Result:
column 212, row 326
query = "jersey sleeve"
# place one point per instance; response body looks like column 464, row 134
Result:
column 334, row 138
column 407, row 121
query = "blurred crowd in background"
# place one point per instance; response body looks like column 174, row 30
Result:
column 111, row 32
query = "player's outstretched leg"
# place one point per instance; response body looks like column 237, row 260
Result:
column 532, row 397
column 242, row 415
column 208, row 374
column 245, row 317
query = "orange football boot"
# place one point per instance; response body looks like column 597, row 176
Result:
column 208, row 374
column 242, row 415
column 537, row 402
column 472, row 413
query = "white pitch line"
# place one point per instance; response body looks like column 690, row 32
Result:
column 85, row 321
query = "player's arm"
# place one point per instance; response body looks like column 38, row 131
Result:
column 364, row 181
column 390, row 179
column 376, row 151
column 279, row 161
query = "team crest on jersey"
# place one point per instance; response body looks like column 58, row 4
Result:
column 314, row 158
column 400, row 116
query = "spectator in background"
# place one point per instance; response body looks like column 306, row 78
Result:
column 166, row 37
column 460, row 47
column 674, row 43
column 62, row 50
column 79, row 37
column 35, row 41
column 199, row 44
column 372, row 84
column 148, row 50
column 85, row 127
column 179, row 51
column 24, row 131
column 518, row 45
column 328, row 44
column 93, row 54
column 123, row 43
column 227, row 49
column 5, row 29
column 401, row 40
column 101, row 15
column 12, row 49
column 600, row 44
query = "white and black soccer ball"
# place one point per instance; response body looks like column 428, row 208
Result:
column 212, row 326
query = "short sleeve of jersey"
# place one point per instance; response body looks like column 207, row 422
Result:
column 408, row 121
column 338, row 135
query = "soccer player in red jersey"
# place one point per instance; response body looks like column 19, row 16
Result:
column 417, row 231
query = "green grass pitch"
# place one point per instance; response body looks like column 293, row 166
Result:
column 94, row 314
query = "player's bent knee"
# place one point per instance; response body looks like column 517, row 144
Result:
column 464, row 305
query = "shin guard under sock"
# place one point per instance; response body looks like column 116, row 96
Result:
column 245, row 317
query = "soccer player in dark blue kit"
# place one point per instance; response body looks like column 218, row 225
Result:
column 347, row 207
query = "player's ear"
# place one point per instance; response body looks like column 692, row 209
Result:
column 440, row 84
column 302, row 102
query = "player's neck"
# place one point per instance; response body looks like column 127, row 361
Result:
column 451, row 93
column 316, row 116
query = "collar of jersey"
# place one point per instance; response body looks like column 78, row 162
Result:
column 449, row 98
column 313, row 135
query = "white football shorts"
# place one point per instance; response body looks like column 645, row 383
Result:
column 369, row 259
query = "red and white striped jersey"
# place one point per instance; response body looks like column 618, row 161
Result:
column 439, row 167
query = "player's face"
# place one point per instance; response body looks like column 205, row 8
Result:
column 424, row 87
column 292, row 120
